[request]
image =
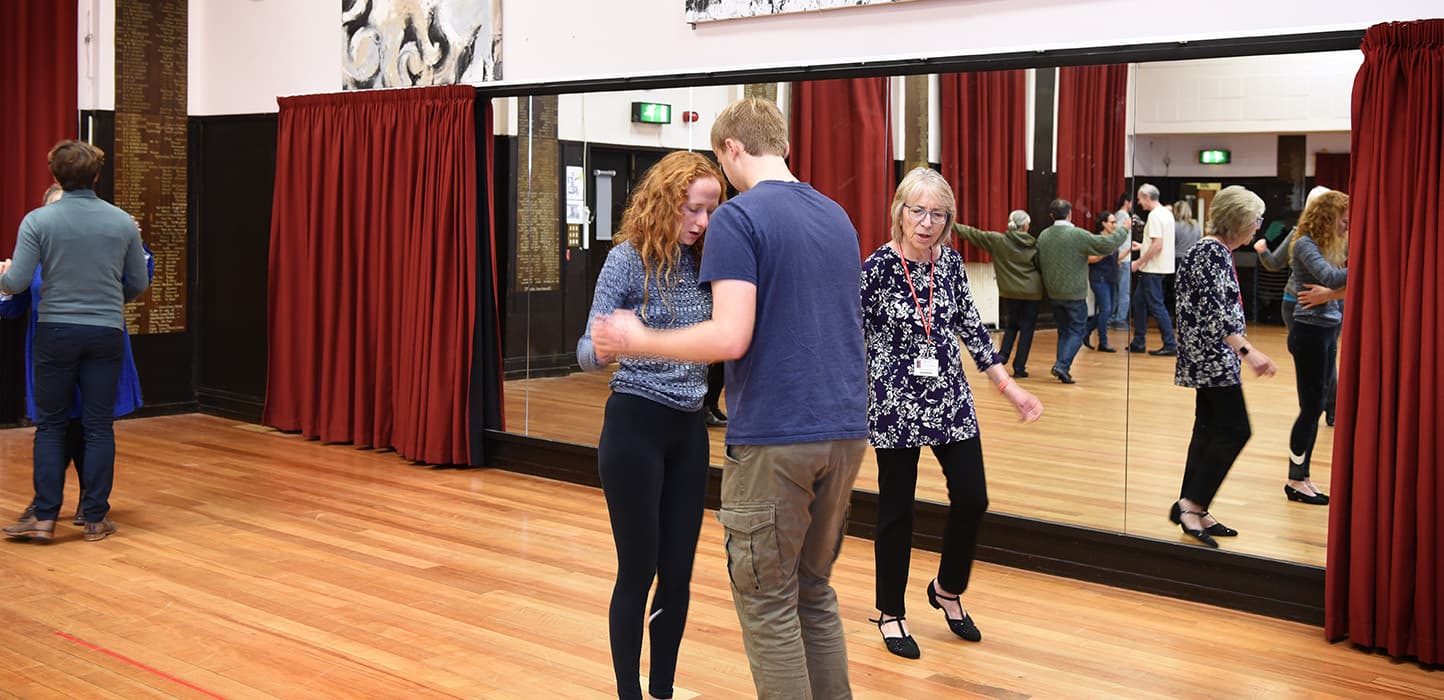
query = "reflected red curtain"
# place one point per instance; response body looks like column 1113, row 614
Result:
column 1332, row 170
column 38, row 89
column 1092, row 106
column 373, row 270
column 841, row 145
column 1385, row 574
column 983, row 138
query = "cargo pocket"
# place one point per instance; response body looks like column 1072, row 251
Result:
column 753, row 558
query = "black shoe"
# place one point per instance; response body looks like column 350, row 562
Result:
column 1088, row 343
column 79, row 519
column 1135, row 347
column 1217, row 529
column 904, row 646
column 1063, row 376
column 1163, row 352
column 1107, row 348
column 1329, row 419
column 1294, row 494
column 1020, row 373
column 963, row 628
column 1203, row 536
column 714, row 418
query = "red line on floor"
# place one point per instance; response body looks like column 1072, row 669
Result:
column 137, row 664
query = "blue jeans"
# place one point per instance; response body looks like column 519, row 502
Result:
column 1020, row 316
column 1103, row 295
column 68, row 357
column 1072, row 318
column 1121, row 309
column 1148, row 300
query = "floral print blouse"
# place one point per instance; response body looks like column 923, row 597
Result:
column 1209, row 309
column 904, row 409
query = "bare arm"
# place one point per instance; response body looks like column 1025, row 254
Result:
column 727, row 336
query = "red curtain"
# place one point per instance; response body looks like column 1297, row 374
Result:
column 373, row 270
column 1332, row 170
column 38, row 89
column 1385, row 573
column 842, row 146
column 983, row 123
column 1092, row 105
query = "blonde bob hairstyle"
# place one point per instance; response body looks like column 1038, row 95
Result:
column 920, row 181
column 652, row 220
column 1232, row 214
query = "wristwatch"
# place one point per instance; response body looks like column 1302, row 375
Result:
column 1242, row 350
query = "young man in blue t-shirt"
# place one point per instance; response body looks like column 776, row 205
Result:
column 784, row 264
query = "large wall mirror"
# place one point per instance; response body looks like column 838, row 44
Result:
column 1109, row 452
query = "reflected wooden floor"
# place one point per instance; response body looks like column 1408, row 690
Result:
column 1107, row 454
column 252, row 564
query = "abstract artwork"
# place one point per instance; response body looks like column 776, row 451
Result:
column 410, row 43
column 708, row 10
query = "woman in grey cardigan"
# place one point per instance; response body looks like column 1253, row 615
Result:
column 1020, row 285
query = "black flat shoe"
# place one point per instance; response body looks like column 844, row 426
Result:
column 1020, row 373
column 1203, row 536
column 1163, row 352
column 964, row 628
column 904, row 646
column 1107, row 348
column 1297, row 495
column 1133, row 347
column 1218, row 529
column 1088, row 343
column 1063, row 376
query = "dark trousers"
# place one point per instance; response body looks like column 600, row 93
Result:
column 1148, row 301
column 1220, row 430
column 1072, row 319
column 897, row 478
column 653, row 464
column 67, row 357
column 1020, row 316
column 1286, row 309
column 714, row 384
column 1103, row 290
column 1314, row 349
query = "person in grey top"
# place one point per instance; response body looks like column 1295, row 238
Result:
column 653, row 451
column 1319, row 252
column 94, row 262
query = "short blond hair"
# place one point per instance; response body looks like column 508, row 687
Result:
column 1232, row 211
column 754, row 122
column 918, row 181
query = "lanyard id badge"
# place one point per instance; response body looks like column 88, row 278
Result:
column 926, row 363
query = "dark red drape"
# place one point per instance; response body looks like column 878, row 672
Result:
column 842, row 146
column 983, row 138
column 1332, row 170
column 373, row 270
column 1385, row 574
column 37, row 89
column 1092, row 106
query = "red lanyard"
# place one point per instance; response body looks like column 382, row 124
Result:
column 926, row 319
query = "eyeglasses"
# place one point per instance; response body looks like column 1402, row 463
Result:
column 1258, row 222
column 920, row 215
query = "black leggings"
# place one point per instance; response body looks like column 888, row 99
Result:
column 653, row 464
column 1220, row 430
column 897, row 478
column 1314, row 349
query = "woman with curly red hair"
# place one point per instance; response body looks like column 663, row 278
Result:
column 652, row 454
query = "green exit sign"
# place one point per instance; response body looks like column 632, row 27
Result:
column 1216, row 156
column 651, row 113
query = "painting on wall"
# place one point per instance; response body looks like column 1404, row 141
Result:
column 411, row 43
column 709, row 10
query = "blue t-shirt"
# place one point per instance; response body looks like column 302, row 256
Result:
column 804, row 377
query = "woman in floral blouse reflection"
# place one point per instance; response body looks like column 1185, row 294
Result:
column 1211, row 349
column 916, row 307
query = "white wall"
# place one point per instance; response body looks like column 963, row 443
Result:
column 1290, row 93
column 245, row 53
column 606, row 117
column 95, row 54
column 1254, row 155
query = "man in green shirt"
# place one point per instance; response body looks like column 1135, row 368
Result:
column 1063, row 251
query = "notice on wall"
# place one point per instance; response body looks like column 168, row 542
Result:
column 150, row 151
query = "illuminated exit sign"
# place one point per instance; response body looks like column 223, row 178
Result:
column 1215, row 156
column 651, row 113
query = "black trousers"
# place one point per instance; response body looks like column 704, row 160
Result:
column 1314, row 349
column 1331, row 394
column 653, row 464
column 1019, row 319
column 897, row 478
column 1220, row 430
column 714, row 384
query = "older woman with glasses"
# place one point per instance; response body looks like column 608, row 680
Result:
column 916, row 308
column 1211, row 349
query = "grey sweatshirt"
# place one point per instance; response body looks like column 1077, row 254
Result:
column 1311, row 267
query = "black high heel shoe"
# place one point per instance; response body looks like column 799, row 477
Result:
column 1294, row 494
column 1217, row 529
column 904, row 646
column 964, row 628
column 1176, row 515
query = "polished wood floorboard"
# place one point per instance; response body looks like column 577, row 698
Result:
column 254, row 564
column 1107, row 454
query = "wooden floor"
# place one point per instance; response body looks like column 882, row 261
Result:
column 252, row 564
column 1107, row 454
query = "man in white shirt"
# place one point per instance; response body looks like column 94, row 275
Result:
column 1153, row 264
